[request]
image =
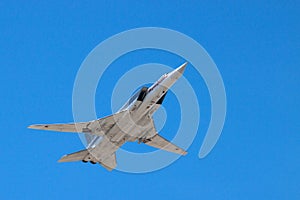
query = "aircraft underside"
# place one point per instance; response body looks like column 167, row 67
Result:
column 132, row 123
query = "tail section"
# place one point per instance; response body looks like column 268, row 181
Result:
column 109, row 162
column 77, row 156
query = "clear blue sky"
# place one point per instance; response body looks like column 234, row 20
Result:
column 255, row 46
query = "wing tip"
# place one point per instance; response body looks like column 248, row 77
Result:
column 62, row 159
column 31, row 126
column 38, row 126
column 184, row 153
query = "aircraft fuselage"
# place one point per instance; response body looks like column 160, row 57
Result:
column 139, row 109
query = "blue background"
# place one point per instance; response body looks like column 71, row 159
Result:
column 255, row 46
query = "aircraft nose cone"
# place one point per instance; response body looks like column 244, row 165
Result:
column 182, row 68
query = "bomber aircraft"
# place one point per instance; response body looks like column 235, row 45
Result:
column 133, row 122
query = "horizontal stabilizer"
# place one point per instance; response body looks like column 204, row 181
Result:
column 108, row 162
column 77, row 156
column 159, row 142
